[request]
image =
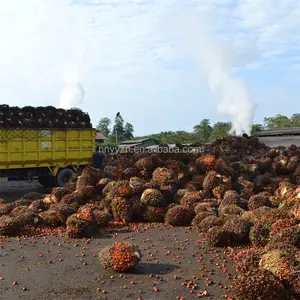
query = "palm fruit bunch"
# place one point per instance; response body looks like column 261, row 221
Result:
column 32, row 196
column 247, row 259
column 206, row 163
column 168, row 191
column 18, row 211
column 123, row 189
column 260, row 234
column 232, row 197
column 179, row 194
column 210, row 205
column 230, row 210
column 102, row 217
column 259, row 200
column 191, row 199
column 137, row 184
column 120, row 257
column 12, row 117
column 57, row 194
column 74, row 197
column 145, row 166
column 211, row 180
column 201, row 216
column 6, row 208
column 153, row 214
column 177, row 167
column 129, row 173
column 218, row 237
column 137, row 207
column 239, row 229
column 163, row 176
column 260, row 284
column 277, row 262
column 153, row 197
column 293, row 281
column 179, row 215
column 37, row 206
column 8, row 226
column 112, row 172
column 208, row 222
column 197, row 181
column 50, row 218
column 121, row 209
column 63, row 211
column 289, row 235
column 81, row 224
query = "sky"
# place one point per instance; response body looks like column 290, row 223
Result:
column 163, row 64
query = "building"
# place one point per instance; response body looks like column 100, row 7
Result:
column 280, row 137
column 100, row 138
column 141, row 143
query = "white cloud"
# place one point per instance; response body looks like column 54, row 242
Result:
column 119, row 45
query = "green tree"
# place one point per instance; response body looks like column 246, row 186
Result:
column 118, row 129
column 295, row 120
column 279, row 121
column 203, row 131
column 220, row 129
column 104, row 126
column 128, row 131
column 256, row 128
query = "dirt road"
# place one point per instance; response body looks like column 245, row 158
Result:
column 57, row 268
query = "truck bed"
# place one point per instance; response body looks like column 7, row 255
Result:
column 31, row 148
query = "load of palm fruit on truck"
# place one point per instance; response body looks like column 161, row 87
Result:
column 47, row 143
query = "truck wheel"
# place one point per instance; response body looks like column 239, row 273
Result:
column 64, row 176
column 47, row 181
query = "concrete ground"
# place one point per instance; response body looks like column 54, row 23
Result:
column 52, row 267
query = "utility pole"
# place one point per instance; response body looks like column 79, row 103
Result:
column 117, row 115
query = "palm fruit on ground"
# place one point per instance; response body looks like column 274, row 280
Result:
column 209, row 222
column 108, row 188
column 191, row 199
column 260, row 284
column 164, row 176
column 207, row 205
column 121, row 209
column 179, row 215
column 197, row 181
column 102, row 217
column 153, row 214
column 122, row 189
column 120, row 257
column 218, row 237
column 295, row 211
column 91, row 172
column 28, row 218
column 168, row 191
column 258, row 214
column 145, row 164
column 284, row 191
column 153, row 197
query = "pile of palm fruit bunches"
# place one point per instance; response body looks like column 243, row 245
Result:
column 42, row 117
column 239, row 192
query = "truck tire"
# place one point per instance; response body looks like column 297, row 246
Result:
column 64, row 176
column 47, row 181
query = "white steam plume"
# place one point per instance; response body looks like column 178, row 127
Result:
column 216, row 59
column 73, row 92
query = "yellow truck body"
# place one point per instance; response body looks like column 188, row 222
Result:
column 54, row 149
